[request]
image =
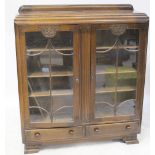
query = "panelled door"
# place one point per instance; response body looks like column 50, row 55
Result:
column 114, row 57
column 51, row 55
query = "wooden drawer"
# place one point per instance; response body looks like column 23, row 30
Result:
column 47, row 135
column 110, row 130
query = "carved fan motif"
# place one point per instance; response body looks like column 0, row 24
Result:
column 49, row 31
column 118, row 29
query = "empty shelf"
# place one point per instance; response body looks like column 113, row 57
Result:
column 113, row 89
column 120, row 47
column 53, row 74
column 46, row 50
column 114, row 72
column 60, row 92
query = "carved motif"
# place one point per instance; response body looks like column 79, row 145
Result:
column 118, row 29
column 49, row 31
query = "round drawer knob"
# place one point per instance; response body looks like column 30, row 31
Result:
column 96, row 129
column 77, row 80
column 37, row 134
column 71, row 132
column 128, row 127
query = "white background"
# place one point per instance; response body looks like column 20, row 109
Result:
column 14, row 145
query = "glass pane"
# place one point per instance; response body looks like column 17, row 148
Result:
column 126, row 103
column 40, row 109
column 104, row 104
column 105, row 84
column 116, row 58
column 63, row 109
column 38, row 85
column 127, row 73
column 50, row 77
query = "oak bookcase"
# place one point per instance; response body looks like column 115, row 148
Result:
column 81, row 72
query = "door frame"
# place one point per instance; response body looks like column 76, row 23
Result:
column 22, row 75
column 141, row 62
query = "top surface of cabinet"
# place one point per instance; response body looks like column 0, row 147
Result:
column 58, row 14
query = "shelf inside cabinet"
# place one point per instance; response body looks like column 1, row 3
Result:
column 108, row 72
column 62, row 92
column 70, row 48
column 112, row 70
column 105, row 48
column 53, row 74
column 47, row 49
column 113, row 89
column 56, row 119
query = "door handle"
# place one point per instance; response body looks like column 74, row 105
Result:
column 77, row 80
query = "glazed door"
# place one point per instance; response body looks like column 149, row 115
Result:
column 52, row 71
column 114, row 59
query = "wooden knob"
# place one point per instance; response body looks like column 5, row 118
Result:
column 128, row 127
column 77, row 80
column 37, row 134
column 71, row 132
column 96, row 129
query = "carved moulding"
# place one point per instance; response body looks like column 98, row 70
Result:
column 118, row 29
column 49, row 31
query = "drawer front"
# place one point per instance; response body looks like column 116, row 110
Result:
column 110, row 130
column 47, row 135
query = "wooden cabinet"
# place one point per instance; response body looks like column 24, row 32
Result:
column 81, row 72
